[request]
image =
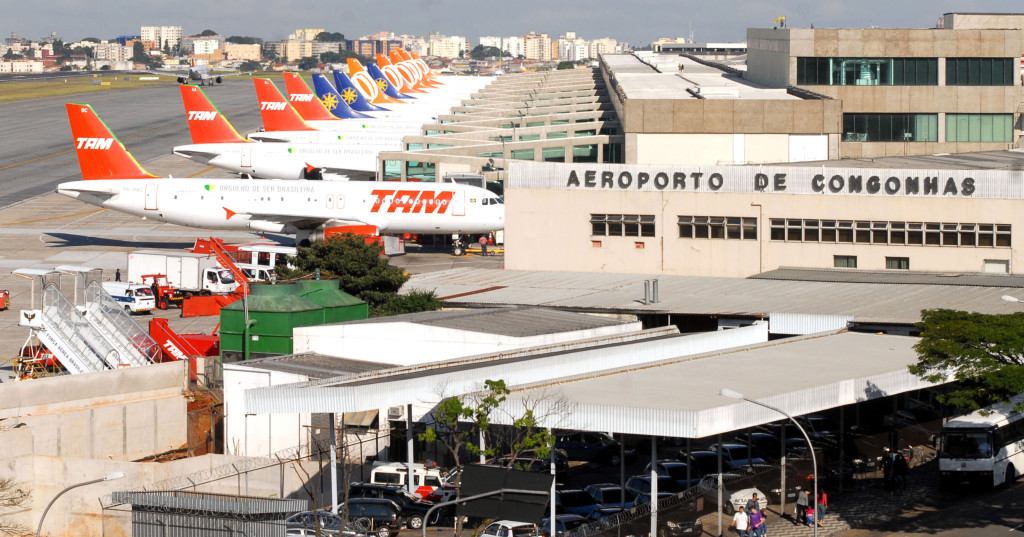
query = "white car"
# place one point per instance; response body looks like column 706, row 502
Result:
column 511, row 528
column 733, row 498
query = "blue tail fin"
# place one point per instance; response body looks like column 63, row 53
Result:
column 379, row 77
column 327, row 94
column 352, row 95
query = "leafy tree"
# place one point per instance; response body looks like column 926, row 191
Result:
column 10, row 55
column 481, row 52
column 984, row 353
column 566, row 65
column 309, row 62
column 91, row 39
column 363, row 272
column 251, row 65
column 207, row 33
column 13, row 498
column 331, row 57
column 331, row 37
column 106, row 67
column 65, row 68
column 245, row 40
column 139, row 53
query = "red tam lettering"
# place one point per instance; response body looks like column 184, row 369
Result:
column 433, row 202
column 379, row 201
column 404, row 200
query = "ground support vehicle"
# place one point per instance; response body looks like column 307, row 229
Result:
column 187, row 272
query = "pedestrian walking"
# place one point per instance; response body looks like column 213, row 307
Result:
column 900, row 467
column 740, row 522
column 483, row 245
column 117, row 275
column 801, row 506
column 752, row 503
column 756, row 523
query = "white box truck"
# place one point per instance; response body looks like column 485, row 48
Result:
column 186, row 271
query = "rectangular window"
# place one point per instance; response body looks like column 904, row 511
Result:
column 979, row 128
column 890, row 127
column 844, row 261
column 884, row 232
column 979, row 71
column 584, row 153
column 714, row 227
column 867, row 71
column 522, row 154
column 553, row 154
column 625, row 225
column 897, row 263
column 392, row 170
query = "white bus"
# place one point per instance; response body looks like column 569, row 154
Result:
column 985, row 447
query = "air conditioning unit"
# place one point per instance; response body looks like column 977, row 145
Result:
column 396, row 412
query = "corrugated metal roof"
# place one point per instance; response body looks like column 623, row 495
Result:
column 681, row 397
column 506, row 321
column 891, row 277
column 623, row 293
column 315, row 365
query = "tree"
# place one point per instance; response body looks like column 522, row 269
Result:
column 363, row 272
column 984, row 353
column 12, row 498
column 10, row 55
column 139, row 53
column 245, row 40
column 566, row 65
column 332, row 37
column 91, row 39
column 207, row 33
column 331, row 57
column 481, row 52
column 250, row 65
column 106, row 67
column 309, row 62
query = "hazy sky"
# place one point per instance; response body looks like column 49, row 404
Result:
column 635, row 21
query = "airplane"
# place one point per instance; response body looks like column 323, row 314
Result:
column 200, row 74
column 112, row 178
column 279, row 115
column 217, row 143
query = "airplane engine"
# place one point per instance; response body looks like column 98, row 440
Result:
column 219, row 80
column 181, row 80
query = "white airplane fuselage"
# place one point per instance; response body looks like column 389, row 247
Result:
column 285, row 160
column 297, row 206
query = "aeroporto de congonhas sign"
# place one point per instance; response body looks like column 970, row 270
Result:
column 769, row 179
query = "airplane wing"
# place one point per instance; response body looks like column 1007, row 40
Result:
column 308, row 222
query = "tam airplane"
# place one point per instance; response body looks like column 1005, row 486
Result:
column 112, row 178
column 217, row 143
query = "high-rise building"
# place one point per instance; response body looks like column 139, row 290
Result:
column 538, row 47
column 163, row 36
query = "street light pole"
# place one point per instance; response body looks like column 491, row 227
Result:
column 814, row 459
column 111, row 477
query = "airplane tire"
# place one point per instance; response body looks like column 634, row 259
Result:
column 458, row 251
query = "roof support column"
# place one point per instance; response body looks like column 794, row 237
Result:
column 410, row 480
column 719, row 484
column 334, row 465
column 654, row 483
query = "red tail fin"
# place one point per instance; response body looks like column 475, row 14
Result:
column 100, row 154
column 277, row 114
column 205, row 122
column 304, row 100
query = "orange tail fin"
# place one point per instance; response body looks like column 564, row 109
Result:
column 304, row 100
column 277, row 114
column 366, row 84
column 100, row 154
column 206, row 124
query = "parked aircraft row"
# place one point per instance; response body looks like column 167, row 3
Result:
column 316, row 144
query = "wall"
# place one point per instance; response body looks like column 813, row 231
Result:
column 696, row 149
column 263, row 434
column 122, row 414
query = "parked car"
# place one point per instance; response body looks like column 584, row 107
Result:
column 375, row 516
column 510, row 528
column 593, row 447
column 732, row 497
column 305, row 523
column 701, row 462
column 737, row 456
column 611, row 495
column 412, row 510
column 641, row 484
column 645, row 497
column 765, row 445
column 575, row 502
column 563, row 523
column 676, row 470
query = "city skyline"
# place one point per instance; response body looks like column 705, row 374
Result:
column 638, row 22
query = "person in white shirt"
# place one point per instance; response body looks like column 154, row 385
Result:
column 740, row 522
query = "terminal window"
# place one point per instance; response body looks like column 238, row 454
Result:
column 979, row 71
column 891, row 127
column 717, row 227
column 622, row 225
column 979, row 128
column 867, row 71
column 889, row 233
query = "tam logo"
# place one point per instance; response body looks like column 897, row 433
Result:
column 301, row 97
column 175, row 351
column 94, row 143
column 273, row 106
column 195, row 115
column 411, row 201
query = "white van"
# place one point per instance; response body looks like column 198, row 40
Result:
column 429, row 484
column 134, row 298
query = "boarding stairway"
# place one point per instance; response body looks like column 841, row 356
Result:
column 98, row 338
